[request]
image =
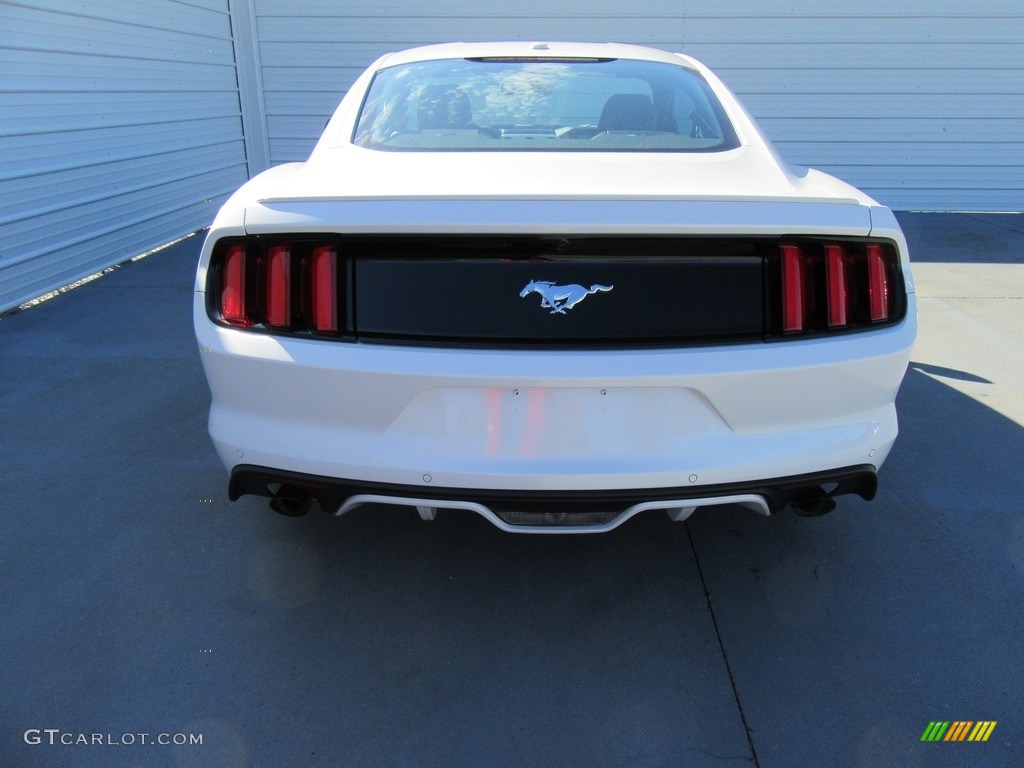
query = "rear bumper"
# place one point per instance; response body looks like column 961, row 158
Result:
column 557, row 511
column 551, row 421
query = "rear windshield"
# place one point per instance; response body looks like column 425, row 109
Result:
column 542, row 104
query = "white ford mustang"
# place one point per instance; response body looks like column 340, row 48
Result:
column 556, row 285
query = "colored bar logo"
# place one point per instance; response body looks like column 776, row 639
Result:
column 958, row 730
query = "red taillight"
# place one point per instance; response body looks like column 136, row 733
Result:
column 878, row 284
column 289, row 286
column 833, row 286
column 232, row 287
column 794, row 299
column 277, row 286
column 324, row 293
column 835, row 281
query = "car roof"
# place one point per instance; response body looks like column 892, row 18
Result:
column 540, row 50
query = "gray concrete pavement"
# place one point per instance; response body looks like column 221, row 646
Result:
column 139, row 600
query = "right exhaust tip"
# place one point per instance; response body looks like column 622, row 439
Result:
column 813, row 502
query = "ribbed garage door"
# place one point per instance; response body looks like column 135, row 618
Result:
column 120, row 130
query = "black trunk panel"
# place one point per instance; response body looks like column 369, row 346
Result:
column 596, row 290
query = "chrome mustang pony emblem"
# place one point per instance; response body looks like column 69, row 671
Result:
column 559, row 298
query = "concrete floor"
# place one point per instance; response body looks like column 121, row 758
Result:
column 138, row 600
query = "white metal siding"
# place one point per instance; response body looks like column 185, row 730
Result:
column 120, row 130
column 920, row 103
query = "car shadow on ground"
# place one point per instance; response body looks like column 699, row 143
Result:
column 864, row 625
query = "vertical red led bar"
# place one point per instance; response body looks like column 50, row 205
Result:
column 835, row 279
column 878, row 284
column 232, row 287
column 794, row 302
column 325, row 288
column 277, row 286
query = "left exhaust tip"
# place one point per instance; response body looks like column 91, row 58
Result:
column 291, row 501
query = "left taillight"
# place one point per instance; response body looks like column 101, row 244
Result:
column 290, row 286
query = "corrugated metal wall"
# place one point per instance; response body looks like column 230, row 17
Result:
column 919, row 102
column 120, row 130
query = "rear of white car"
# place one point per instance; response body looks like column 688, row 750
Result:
column 554, row 338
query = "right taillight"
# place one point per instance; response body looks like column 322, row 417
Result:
column 822, row 286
